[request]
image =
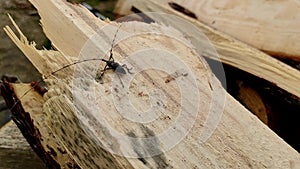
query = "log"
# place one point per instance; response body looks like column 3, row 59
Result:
column 89, row 119
column 253, row 102
column 4, row 113
column 271, row 26
column 12, row 145
column 229, row 50
column 248, row 59
column 11, row 137
column 33, row 127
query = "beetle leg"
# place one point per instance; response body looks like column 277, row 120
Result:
column 128, row 69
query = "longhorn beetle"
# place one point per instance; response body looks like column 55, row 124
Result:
column 110, row 64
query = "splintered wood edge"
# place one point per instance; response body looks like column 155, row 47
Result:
column 28, row 49
column 233, row 130
column 28, row 115
column 66, row 23
column 45, row 61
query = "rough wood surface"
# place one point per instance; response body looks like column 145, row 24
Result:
column 81, row 112
column 30, row 119
column 271, row 26
column 230, row 50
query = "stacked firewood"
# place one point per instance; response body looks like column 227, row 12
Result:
column 98, row 112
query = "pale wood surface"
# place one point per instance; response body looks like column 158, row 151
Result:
column 271, row 26
column 240, row 139
column 230, row 50
column 33, row 102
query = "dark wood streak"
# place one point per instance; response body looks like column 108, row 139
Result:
column 26, row 125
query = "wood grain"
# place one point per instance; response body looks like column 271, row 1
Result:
column 82, row 113
column 270, row 26
column 229, row 50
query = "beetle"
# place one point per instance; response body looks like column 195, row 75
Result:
column 110, row 64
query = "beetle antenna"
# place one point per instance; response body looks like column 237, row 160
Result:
column 113, row 43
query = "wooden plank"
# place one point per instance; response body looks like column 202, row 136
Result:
column 230, row 50
column 271, row 26
column 81, row 113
